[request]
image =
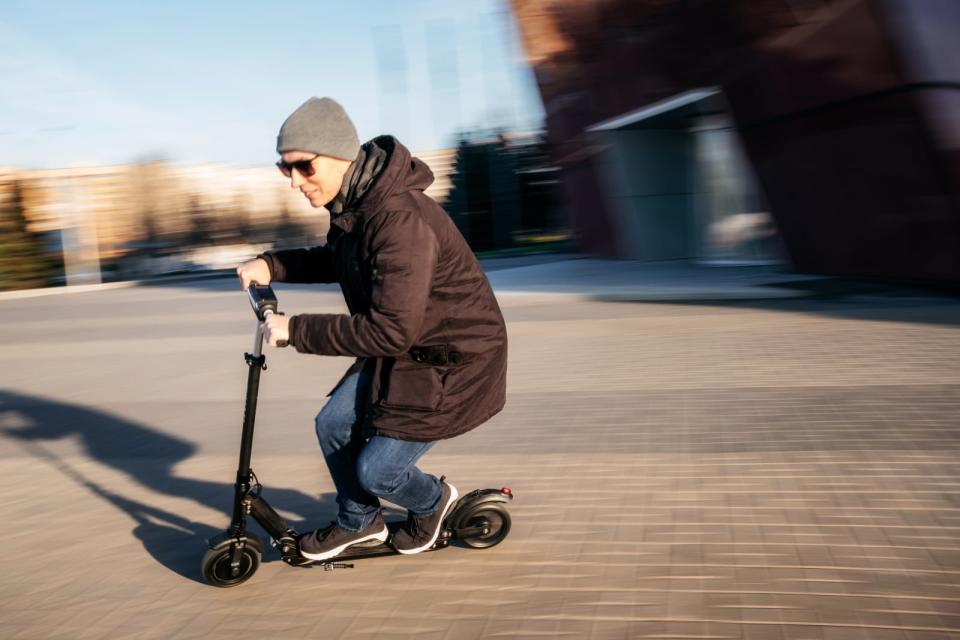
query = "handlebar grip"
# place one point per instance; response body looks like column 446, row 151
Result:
column 269, row 312
column 282, row 343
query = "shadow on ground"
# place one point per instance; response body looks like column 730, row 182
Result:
column 148, row 458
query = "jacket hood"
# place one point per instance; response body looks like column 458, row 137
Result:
column 400, row 173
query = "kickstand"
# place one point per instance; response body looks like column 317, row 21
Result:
column 330, row 566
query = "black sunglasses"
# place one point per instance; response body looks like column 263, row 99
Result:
column 303, row 167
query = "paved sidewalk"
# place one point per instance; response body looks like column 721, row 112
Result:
column 770, row 468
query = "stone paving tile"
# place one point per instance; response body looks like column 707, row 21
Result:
column 787, row 470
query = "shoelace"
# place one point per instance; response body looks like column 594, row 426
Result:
column 414, row 525
column 325, row 531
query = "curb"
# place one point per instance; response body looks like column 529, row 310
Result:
column 106, row 286
column 68, row 289
column 662, row 296
column 716, row 295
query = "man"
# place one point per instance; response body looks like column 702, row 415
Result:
column 424, row 325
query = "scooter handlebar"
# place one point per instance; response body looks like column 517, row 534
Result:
column 262, row 299
column 264, row 303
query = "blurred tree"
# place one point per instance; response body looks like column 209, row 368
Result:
column 142, row 198
column 502, row 189
column 202, row 225
column 468, row 201
column 25, row 262
column 290, row 233
column 151, row 232
column 237, row 220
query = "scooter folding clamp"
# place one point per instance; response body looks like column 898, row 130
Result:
column 253, row 360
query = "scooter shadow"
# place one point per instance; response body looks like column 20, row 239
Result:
column 147, row 458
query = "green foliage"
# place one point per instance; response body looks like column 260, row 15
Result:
column 24, row 260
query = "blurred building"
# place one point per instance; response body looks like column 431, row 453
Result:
column 129, row 203
column 98, row 216
column 823, row 132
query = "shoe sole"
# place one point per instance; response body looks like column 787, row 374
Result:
column 326, row 555
column 454, row 494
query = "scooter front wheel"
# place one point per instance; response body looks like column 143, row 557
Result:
column 486, row 527
column 216, row 568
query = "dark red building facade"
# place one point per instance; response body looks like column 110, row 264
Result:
column 848, row 113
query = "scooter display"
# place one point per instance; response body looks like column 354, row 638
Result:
column 478, row 519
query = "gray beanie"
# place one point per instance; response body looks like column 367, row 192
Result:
column 321, row 126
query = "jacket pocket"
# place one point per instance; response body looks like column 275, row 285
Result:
column 412, row 386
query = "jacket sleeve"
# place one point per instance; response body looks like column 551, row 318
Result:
column 301, row 265
column 405, row 250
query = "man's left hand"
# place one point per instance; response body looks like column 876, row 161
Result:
column 275, row 329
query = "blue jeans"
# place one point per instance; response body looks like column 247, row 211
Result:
column 364, row 470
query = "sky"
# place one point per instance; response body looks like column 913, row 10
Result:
column 190, row 81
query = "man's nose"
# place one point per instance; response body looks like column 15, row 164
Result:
column 295, row 179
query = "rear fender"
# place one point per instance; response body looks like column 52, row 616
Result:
column 469, row 504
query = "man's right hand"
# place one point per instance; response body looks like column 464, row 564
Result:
column 256, row 271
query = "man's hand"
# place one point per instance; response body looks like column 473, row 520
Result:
column 255, row 271
column 275, row 329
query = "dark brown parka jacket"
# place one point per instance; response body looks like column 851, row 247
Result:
column 423, row 318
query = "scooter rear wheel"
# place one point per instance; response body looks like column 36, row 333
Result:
column 215, row 566
column 494, row 519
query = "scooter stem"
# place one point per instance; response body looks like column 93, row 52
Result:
column 256, row 362
column 258, row 339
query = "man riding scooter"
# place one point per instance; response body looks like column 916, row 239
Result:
column 423, row 324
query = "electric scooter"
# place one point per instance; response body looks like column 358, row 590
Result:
column 478, row 519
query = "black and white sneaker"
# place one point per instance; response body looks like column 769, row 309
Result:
column 332, row 540
column 419, row 534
